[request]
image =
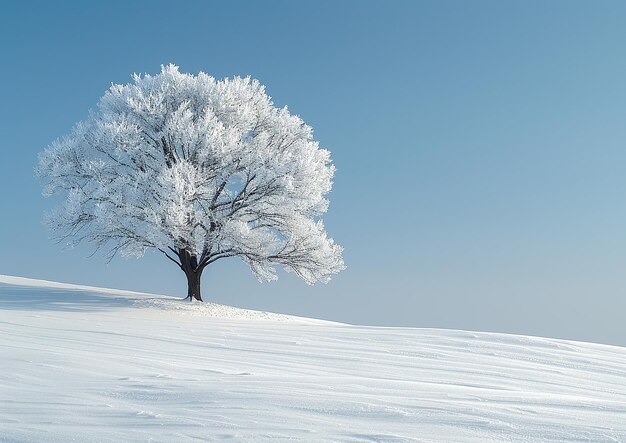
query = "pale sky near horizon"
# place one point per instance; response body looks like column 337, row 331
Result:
column 480, row 149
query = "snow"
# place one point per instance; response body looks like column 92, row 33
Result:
column 88, row 364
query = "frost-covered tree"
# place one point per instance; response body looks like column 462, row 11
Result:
column 199, row 169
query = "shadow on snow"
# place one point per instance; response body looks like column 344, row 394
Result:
column 58, row 299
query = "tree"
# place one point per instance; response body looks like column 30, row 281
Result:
column 199, row 169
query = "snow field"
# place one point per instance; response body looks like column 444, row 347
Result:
column 94, row 365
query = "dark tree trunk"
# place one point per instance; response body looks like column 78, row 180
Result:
column 193, row 284
column 189, row 265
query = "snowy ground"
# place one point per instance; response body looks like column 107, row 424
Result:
column 86, row 364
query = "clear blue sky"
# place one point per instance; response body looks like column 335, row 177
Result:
column 480, row 149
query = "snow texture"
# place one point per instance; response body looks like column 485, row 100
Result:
column 97, row 365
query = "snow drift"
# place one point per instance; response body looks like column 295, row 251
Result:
column 88, row 364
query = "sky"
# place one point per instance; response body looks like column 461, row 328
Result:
column 479, row 146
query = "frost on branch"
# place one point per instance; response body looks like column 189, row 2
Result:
column 198, row 168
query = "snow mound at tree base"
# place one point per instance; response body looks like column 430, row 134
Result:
column 214, row 310
column 94, row 365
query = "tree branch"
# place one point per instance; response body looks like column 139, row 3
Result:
column 170, row 257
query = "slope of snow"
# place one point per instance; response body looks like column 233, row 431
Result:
column 65, row 297
column 87, row 364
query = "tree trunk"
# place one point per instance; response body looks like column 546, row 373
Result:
column 193, row 284
column 189, row 265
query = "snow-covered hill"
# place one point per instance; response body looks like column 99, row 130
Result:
column 86, row 364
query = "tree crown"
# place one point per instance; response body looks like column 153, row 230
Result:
column 188, row 163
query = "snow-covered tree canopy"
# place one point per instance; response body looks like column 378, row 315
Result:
column 199, row 169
